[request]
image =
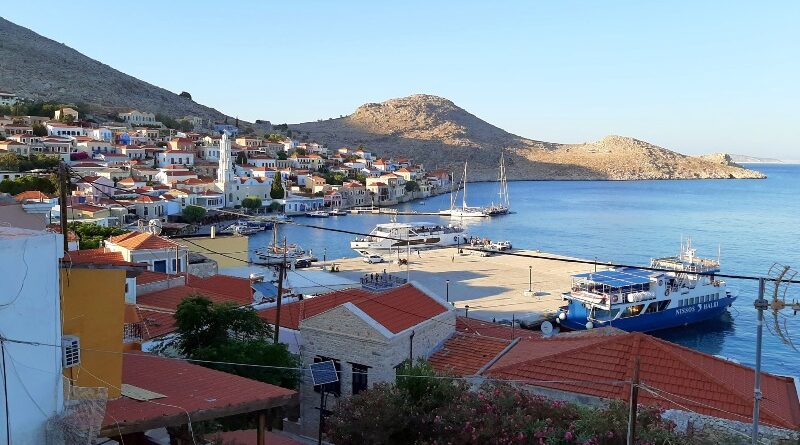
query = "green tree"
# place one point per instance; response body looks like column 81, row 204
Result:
column 251, row 202
column 274, row 206
column 67, row 118
column 91, row 235
column 193, row 213
column 300, row 152
column 275, row 137
column 241, row 158
column 282, row 155
column 43, row 184
column 227, row 333
column 37, row 161
column 412, row 186
column 186, row 95
column 185, row 126
column 9, row 162
column 277, row 191
column 335, row 178
column 39, row 130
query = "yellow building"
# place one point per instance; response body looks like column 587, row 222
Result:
column 93, row 309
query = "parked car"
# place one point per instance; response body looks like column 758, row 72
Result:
column 302, row 263
column 373, row 259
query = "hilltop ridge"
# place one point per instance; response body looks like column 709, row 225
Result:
column 436, row 132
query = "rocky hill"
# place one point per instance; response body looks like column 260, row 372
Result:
column 434, row 131
column 37, row 68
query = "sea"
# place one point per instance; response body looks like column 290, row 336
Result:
column 751, row 224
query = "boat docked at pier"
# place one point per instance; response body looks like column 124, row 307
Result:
column 679, row 291
column 393, row 236
column 504, row 205
column 464, row 211
column 249, row 227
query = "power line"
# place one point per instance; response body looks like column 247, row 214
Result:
column 307, row 370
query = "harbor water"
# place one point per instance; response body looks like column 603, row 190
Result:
column 751, row 223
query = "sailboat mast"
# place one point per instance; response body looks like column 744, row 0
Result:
column 464, row 195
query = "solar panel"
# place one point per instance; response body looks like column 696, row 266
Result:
column 618, row 277
column 323, row 373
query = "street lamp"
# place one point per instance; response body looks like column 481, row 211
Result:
column 466, row 310
column 324, row 256
column 447, row 290
column 529, row 292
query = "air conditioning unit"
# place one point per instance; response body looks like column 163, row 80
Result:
column 70, row 351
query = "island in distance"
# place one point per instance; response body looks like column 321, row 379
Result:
column 438, row 134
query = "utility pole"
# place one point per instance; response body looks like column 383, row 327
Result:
column 447, row 290
column 760, row 304
column 63, row 184
column 281, row 271
column 513, row 322
column 634, row 401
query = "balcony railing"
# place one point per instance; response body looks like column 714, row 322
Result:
column 133, row 332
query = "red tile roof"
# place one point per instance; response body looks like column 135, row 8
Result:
column 188, row 388
column 33, row 195
column 466, row 354
column 494, row 330
column 87, row 208
column 156, row 322
column 148, row 276
column 396, row 309
column 97, row 256
column 698, row 381
column 141, row 241
column 218, row 288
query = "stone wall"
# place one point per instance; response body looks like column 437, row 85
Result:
column 345, row 335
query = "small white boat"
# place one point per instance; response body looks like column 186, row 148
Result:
column 318, row 214
column 464, row 211
column 338, row 212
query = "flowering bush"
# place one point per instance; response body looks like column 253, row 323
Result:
column 439, row 411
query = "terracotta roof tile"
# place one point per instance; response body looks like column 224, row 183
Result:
column 186, row 386
column 466, row 354
column 32, row 195
column 494, row 330
column 396, row 309
column 218, row 288
column 97, row 256
column 141, row 241
column 700, row 382
column 156, row 322
column 149, row 276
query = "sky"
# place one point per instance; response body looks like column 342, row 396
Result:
column 695, row 77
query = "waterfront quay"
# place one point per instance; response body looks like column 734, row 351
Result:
column 494, row 287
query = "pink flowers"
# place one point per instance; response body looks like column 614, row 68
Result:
column 568, row 436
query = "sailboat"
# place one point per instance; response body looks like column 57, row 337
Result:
column 504, row 206
column 465, row 211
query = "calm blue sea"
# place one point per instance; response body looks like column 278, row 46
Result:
column 754, row 222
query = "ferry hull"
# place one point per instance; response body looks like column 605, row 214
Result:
column 670, row 318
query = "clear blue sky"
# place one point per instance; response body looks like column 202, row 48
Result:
column 696, row 77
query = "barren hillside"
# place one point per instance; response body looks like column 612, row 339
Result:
column 37, row 68
column 439, row 134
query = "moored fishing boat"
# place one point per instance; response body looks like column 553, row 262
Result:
column 681, row 291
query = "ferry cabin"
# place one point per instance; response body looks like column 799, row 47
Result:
column 636, row 299
column 415, row 236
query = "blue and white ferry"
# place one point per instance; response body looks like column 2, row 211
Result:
column 634, row 299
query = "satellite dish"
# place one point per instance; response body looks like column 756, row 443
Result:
column 140, row 225
column 547, row 328
column 154, row 226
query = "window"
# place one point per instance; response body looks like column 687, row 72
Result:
column 359, row 378
column 160, row 266
column 333, row 388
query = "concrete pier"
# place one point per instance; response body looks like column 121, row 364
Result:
column 494, row 287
